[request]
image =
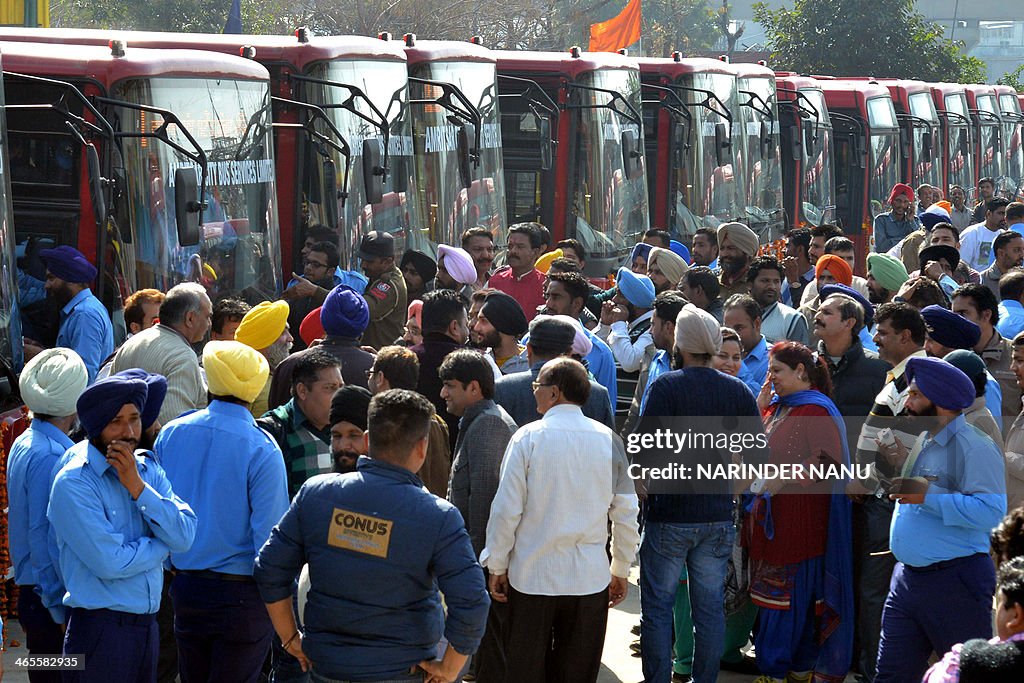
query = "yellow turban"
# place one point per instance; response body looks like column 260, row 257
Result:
column 263, row 324
column 543, row 264
column 234, row 369
column 670, row 263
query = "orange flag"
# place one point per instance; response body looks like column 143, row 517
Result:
column 618, row 32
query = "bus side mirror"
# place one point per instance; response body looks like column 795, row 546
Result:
column 632, row 157
column 808, row 138
column 927, row 143
column 794, row 142
column 722, row 143
column 767, row 148
column 965, row 143
column 373, row 170
column 905, row 143
column 187, row 206
column 330, row 203
column 96, row 189
column 464, row 152
column 680, row 143
column 547, row 144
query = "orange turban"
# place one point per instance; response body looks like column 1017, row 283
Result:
column 839, row 268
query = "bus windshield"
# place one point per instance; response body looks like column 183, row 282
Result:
column 610, row 208
column 819, row 202
column 761, row 170
column 1013, row 154
column 10, row 316
column 446, row 207
column 239, row 247
column 705, row 190
column 884, row 159
column 384, row 84
column 927, row 165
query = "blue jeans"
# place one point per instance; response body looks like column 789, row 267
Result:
column 704, row 549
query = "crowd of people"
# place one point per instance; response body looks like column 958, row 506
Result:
column 419, row 471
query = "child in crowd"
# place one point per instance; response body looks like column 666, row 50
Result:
column 999, row 659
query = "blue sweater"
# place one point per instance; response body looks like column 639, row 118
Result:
column 699, row 392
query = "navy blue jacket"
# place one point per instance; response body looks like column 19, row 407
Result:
column 692, row 393
column 379, row 546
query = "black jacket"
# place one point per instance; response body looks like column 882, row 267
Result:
column 856, row 379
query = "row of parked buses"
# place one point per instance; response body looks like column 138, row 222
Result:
column 175, row 157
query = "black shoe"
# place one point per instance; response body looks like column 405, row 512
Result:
column 635, row 630
column 747, row 665
column 681, row 678
column 635, row 646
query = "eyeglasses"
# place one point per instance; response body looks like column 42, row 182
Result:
column 315, row 264
column 370, row 373
column 538, row 385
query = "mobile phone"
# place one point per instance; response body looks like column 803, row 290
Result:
column 887, row 438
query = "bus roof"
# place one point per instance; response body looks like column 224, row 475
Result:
column 562, row 63
column 269, row 48
column 845, row 94
column 752, row 70
column 794, row 81
column 672, row 68
column 447, row 51
column 97, row 63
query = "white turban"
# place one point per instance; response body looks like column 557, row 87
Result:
column 52, row 382
column 697, row 331
column 581, row 344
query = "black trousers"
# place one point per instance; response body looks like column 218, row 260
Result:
column 222, row 628
column 42, row 635
column 871, row 521
column 490, row 660
column 167, row 661
column 555, row 639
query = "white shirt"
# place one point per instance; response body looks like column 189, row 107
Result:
column 562, row 478
column 630, row 356
column 976, row 246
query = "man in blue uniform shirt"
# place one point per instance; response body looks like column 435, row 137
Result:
column 952, row 493
column 50, row 385
column 116, row 520
column 379, row 547
column 213, row 590
column 84, row 322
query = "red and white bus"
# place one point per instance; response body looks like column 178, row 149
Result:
column 573, row 137
column 162, row 113
column 867, row 155
column 806, row 136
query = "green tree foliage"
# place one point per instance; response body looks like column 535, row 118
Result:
column 1014, row 79
column 884, row 38
column 187, row 16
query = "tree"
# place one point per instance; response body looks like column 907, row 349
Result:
column 186, row 16
column 832, row 37
column 1014, row 78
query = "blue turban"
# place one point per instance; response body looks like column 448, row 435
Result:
column 680, row 249
column 344, row 313
column 839, row 288
column 950, row 329
column 351, row 278
column 941, row 383
column 933, row 216
column 156, row 391
column 68, row 264
column 100, row 403
column 638, row 289
column 641, row 249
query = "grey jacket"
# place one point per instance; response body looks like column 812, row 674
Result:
column 484, row 433
column 514, row 393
